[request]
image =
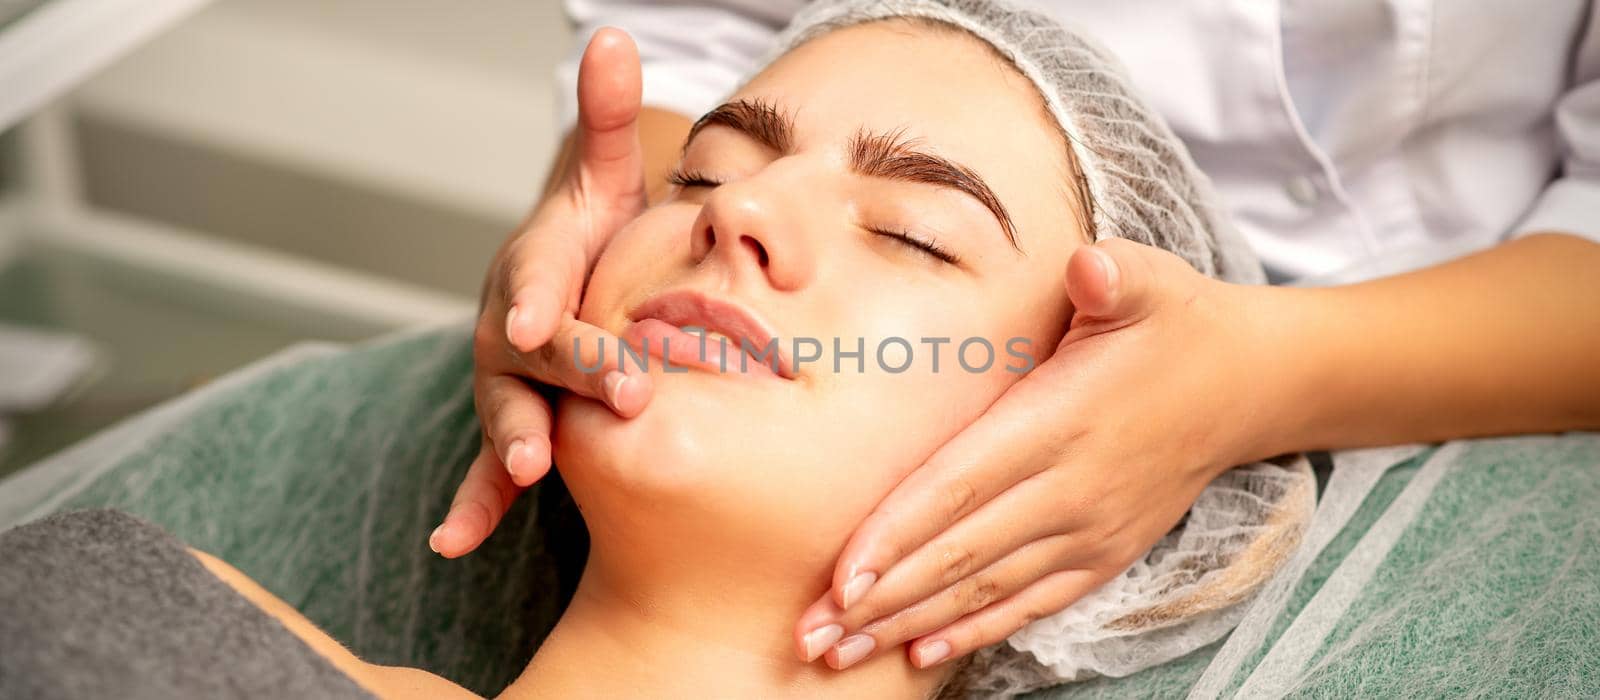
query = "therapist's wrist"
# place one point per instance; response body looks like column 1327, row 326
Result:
column 1286, row 364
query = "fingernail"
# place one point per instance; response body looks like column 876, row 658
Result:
column 1108, row 267
column 856, row 587
column 854, row 648
column 613, row 387
column 511, row 457
column 433, row 539
column 932, row 653
column 819, row 639
column 511, row 325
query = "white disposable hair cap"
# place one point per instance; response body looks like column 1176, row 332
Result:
column 1142, row 183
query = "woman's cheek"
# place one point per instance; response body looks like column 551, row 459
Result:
column 635, row 261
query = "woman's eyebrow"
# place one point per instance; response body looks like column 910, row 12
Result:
column 757, row 119
column 890, row 156
column 895, row 157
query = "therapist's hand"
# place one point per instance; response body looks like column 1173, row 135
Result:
column 1073, row 474
column 528, row 324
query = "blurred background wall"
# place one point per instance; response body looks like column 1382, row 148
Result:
column 359, row 154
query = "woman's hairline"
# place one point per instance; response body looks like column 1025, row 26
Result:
column 1079, row 199
column 1079, row 196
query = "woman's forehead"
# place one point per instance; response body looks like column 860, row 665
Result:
column 943, row 90
column 946, row 83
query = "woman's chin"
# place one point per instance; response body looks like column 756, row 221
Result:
column 750, row 461
column 695, row 424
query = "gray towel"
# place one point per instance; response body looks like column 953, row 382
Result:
column 102, row 604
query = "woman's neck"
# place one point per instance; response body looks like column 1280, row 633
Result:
column 687, row 632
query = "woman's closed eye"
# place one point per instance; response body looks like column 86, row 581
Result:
column 687, row 178
column 921, row 243
column 690, row 178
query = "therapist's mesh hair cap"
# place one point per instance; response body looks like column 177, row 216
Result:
column 1141, row 181
column 1195, row 584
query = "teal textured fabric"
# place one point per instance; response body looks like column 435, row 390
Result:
column 1175, row 679
column 1492, row 591
column 321, row 479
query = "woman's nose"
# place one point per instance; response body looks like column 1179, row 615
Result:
column 753, row 229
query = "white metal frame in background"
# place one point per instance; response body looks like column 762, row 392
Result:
column 56, row 46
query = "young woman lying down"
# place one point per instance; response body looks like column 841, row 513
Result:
column 908, row 174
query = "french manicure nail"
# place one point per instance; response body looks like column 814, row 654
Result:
column 511, row 324
column 819, row 639
column 1108, row 267
column 932, row 653
column 854, row 648
column 856, row 587
column 511, row 457
column 613, row 386
column 433, row 539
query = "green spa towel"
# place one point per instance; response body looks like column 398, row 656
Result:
column 321, row 479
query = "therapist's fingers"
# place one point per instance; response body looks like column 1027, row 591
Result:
column 993, row 624
column 991, row 585
column 542, row 275
column 955, row 557
column 586, row 360
column 517, row 421
column 1001, row 448
column 545, row 268
column 1117, row 282
column 610, row 92
column 482, row 499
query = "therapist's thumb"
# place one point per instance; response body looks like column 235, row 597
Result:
column 609, row 91
column 1113, row 280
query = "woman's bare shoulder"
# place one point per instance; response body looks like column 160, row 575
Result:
column 396, row 682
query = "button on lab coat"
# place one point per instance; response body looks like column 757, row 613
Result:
column 1349, row 139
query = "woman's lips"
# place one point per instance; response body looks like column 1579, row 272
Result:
column 669, row 343
column 658, row 330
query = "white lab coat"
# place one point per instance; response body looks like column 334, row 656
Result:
column 1349, row 139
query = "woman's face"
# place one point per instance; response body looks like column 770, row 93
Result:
column 788, row 223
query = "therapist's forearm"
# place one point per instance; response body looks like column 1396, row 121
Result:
column 1503, row 341
column 661, row 134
